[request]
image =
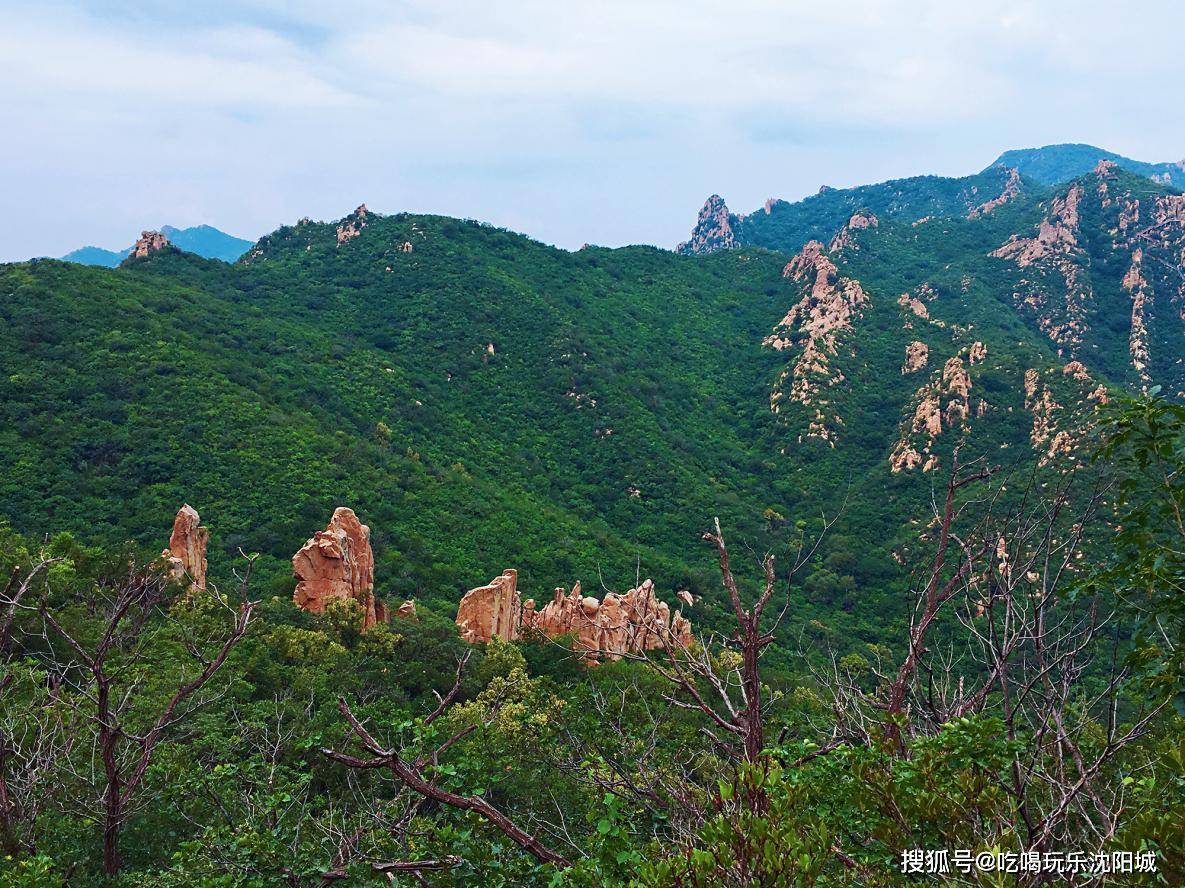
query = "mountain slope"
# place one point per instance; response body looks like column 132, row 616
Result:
column 207, row 242
column 96, row 256
column 202, row 240
column 484, row 401
column 1056, row 164
column 785, row 226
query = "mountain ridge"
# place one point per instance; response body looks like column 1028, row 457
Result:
column 1057, row 164
column 202, row 240
column 482, row 399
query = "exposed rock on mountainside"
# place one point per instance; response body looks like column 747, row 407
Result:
column 1011, row 191
column 149, row 242
column 613, row 626
column 1137, row 286
column 1055, row 247
column 787, row 226
column 337, row 563
column 492, row 610
column 827, row 309
column 352, row 225
column 844, row 239
column 186, row 555
column 1104, row 221
column 916, row 356
column 943, row 404
column 1047, row 437
column 610, row 627
column 713, row 230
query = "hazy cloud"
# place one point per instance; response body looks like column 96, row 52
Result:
column 604, row 122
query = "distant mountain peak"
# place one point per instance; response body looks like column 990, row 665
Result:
column 713, row 231
column 1055, row 164
column 201, row 240
column 786, row 227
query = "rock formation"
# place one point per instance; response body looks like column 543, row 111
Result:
column 845, row 239
column 916, row 356
column 337, row 563
column 943, row 403
column 712, row 232
column 149, row 242
column 1009, row 193
column 492, row 610
column 828, row 307
column 611, row 627
column 1055, row 246
column 1135, row 284
column 186, row 555
column 352, row 225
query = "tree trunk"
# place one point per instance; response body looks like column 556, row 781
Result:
column 113, row 795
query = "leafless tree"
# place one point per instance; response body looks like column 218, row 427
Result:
column 25, row 746
column 105, row 679
column 993, row 630
column 726, row 692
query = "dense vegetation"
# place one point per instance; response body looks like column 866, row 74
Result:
column 1055, row 164
column 787, row 226
column 484, row 401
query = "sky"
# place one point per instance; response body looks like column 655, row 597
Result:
column 592, row 122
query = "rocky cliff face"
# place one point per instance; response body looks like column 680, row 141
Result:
column 186, row 555
column 812, row 328
column 607, row 628
column 337, row 563
column 149, row 242
column 845, row 238
column 1104, row 221
column 916, row 356
column 713, row 231
column 351, row 226
column 493, row 610
column 1010, row 192
column 942, row 404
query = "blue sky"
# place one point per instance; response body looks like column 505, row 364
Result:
column 602, row 122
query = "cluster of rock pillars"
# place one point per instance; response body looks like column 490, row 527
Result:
column 338, row 563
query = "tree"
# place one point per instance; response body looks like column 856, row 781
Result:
column 108, row 675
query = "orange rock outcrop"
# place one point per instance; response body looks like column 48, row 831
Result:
column 148, row 243
column 916, row 356
column 186, row 555
column 337, row 563
column 713, row 230
column 351, row 226
column 828, row 308
column 943, row 403
column 606, row 628
column 492, row 610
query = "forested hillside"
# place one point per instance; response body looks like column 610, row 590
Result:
column 898, row 390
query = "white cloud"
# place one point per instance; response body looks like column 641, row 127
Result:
column 598, row 121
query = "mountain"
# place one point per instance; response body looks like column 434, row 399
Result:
column 96, row 256
column 202, row 240
column 785, row 226
column 207, row 242
column 483, row 401
column 1055, row 164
